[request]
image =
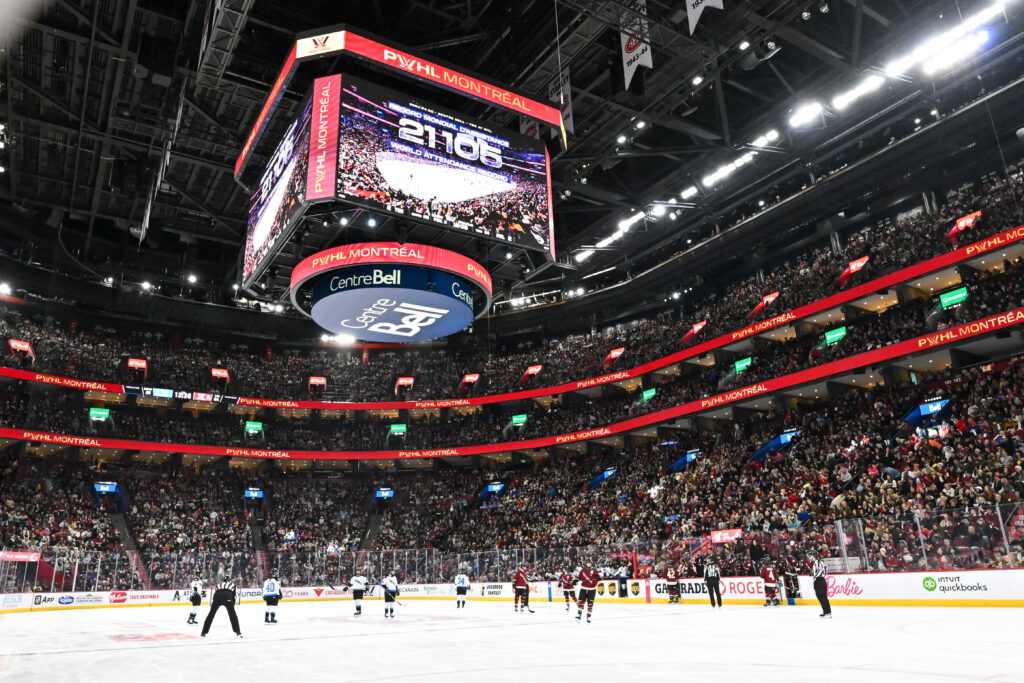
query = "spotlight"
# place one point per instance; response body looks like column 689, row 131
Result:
column 697, row 80
column 5, row 288
column 744, row 45
column 109, row 279
column 371, row 221
column 344, row 220
column 146, row 285
column 640, row 124
column 805, row 15
column 805, row 114
column 675, row 295
column 621, row 139
column 234, row 287
column 917, row 122
column 760, row 203
column 508, row 255
column 823, row 7
column 191, row 279
column 579, row 291
column 935, row 112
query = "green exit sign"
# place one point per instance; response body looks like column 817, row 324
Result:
column 398, row 429
column 950, row 299
column 649, row 393
column 835, row 336
column 251, row 426
column 99, row 413
column 742, row 365
column 518, row 419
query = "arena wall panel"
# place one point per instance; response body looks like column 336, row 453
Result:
column 971, row 588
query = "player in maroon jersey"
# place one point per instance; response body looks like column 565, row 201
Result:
column 568, row 583
column 672, row 580
column 521, row 583
column 588, row 578
column 771, row 585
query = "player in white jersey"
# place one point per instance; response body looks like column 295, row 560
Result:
column 390, row 586
column 358, row 585
column 195, row 597
column 461, row 588
column 271, row 596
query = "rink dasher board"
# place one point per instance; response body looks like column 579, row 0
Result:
column 970, row 588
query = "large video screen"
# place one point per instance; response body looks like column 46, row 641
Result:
column 403, row 156
column 280, row 197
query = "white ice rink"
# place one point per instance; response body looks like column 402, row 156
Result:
column 433, row 641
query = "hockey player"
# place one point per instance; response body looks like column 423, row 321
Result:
column 672, row 581
column 358, row 585
column 271, row 596
column 390, row 586
column 568, row 583
column 195, row 597
column 521, row 583
column 225, row 596
column 461, row 588
column 588, row 578
column 771, row 585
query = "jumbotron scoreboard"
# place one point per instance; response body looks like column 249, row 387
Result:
column 359, row 144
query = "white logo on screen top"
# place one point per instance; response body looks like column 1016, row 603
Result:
column 412, row 323
column 411, row 64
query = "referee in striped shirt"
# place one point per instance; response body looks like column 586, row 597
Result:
column 818, row 572
column 225, row 594
column 712, row 576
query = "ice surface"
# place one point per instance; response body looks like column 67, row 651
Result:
column 487, row 641
column 428, row 180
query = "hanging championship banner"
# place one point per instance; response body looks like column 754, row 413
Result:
column 694, row 8
column 560, row 91
column 528, row 126
column 635, row 39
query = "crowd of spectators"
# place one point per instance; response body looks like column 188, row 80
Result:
column 185, row 362
column 856, row 482
column 65, row 412
column 855, row 461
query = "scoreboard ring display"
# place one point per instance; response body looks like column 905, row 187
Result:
column 391, row 292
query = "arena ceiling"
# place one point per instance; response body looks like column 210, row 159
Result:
column 99, row 95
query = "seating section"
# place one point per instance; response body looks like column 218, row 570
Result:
column 66, row 412
column 184, row 362
column 854, row 463
column 858, row 483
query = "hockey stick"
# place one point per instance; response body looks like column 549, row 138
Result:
column 385, row 592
